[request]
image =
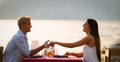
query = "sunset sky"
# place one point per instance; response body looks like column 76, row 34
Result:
column 61, row 9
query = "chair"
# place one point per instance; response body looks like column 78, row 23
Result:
column 112, row 54
column 1, row 53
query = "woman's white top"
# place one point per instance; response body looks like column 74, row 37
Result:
column 89, row 54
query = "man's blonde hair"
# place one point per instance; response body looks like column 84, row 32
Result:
column 22, row 20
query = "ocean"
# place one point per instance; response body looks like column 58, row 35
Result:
column 59, row 30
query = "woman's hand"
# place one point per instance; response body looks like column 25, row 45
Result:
column 52, row 43
column 68, row 53
column 46, row 45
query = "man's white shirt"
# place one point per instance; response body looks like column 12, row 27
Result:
column 17, row 48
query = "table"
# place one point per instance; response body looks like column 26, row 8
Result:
column 52, row 60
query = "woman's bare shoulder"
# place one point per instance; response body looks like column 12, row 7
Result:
column 90, row 37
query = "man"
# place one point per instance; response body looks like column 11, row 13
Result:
column 17, row 47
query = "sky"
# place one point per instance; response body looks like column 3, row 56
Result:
column 61, row 9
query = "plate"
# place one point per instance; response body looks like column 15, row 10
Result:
column 60, row 56
column 36, row 56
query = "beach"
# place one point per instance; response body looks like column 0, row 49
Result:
column 59, row 30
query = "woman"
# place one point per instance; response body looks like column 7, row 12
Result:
column 91, row 42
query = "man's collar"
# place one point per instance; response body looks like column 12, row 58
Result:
column 21, row 33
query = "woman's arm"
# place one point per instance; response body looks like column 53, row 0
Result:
column 75, row 54
column 83, row 41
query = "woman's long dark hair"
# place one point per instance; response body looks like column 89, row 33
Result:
column 95, row 33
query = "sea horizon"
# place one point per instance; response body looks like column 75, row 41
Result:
column 59, row 30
